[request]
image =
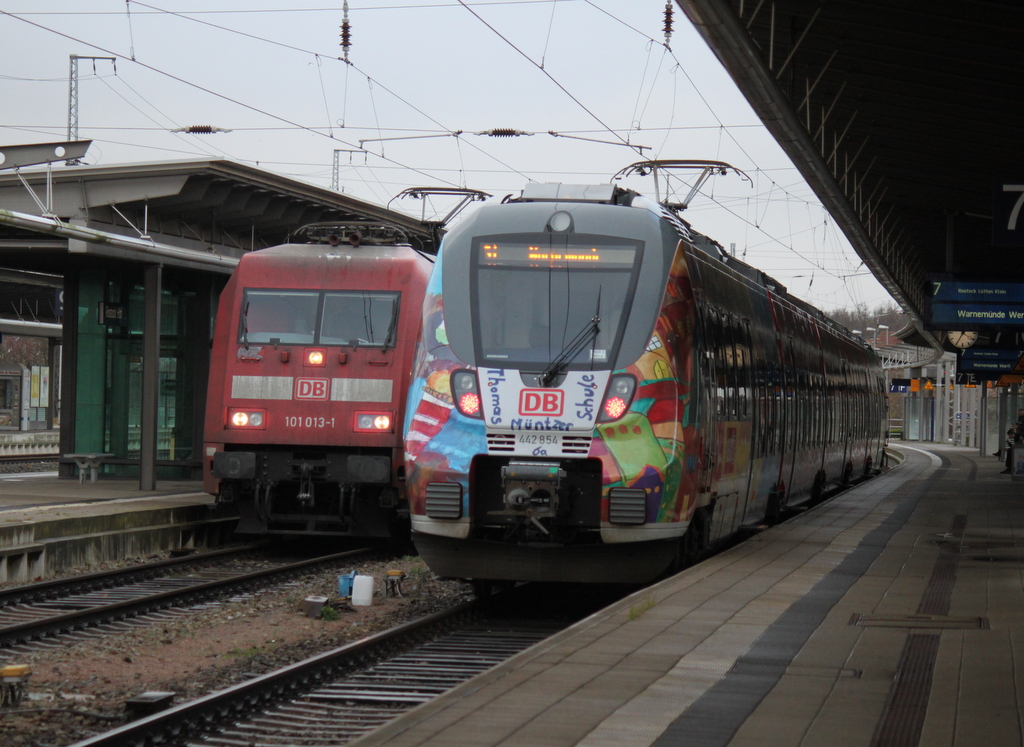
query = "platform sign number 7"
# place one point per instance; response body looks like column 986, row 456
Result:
column 1007, row 218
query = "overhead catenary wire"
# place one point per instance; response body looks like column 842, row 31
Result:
column 772, row 196
column 183, row 81
column 187, row 16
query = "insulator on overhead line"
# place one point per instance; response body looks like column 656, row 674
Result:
column 200, row 129
column 668, row 22
column 503, row 132
column 346, row 32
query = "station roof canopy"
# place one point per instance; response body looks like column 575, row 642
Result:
column 211, row 206
column 903, row 118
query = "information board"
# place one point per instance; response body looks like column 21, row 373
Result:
column 989, row 360
column 965, row 305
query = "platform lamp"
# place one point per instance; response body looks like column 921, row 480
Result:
column 886, row 328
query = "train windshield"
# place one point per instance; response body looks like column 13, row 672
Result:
column 316, row 317
column 552, row 298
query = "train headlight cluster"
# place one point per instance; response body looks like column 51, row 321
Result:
column 316, row 357
column 618, row 398
column 373, row 422
column 466, row 392
column 246, row 418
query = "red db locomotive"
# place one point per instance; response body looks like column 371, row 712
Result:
column 310, row 368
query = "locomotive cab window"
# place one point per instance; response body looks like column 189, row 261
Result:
column 311, row 317
column 542, row 298
column 288, row 316
column 359, row 319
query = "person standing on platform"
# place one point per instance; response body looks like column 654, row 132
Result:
column 1013, row 436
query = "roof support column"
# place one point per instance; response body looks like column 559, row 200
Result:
column 150, row 377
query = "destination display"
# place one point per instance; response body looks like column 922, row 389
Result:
column 959, row 305
column 513, row 253
column 989, row 361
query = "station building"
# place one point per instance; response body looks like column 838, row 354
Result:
column 87, row 250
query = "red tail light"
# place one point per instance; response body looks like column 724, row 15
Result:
column 617, row 398
column 466, row 392
column 614, row 408
column 469, row 403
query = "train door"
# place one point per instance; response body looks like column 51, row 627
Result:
column 787, row 421
column 734, row 425
column 714, row 371
column 848, row 446
column 750, row 509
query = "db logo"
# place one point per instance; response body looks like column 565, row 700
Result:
column 541, row 402
column 311, row 388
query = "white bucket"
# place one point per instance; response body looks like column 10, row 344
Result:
column 362, row 591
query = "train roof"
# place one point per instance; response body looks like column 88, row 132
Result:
column 284, row 253
column 288, row 264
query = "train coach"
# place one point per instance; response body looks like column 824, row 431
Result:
column 602, row 394
column 313, row 350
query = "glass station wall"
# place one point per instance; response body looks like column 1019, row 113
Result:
column 111, row 318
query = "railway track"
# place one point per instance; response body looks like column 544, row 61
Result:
column 343, row 694
column 56, row 613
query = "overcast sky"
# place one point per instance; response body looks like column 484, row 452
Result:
column 596, row 72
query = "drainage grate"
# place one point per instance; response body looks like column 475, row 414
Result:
column 941, row 622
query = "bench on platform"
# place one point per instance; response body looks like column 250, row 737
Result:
column 91, row 461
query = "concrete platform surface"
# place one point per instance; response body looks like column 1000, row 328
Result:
column 36, row 492
column 890, row 615
column 49, row 525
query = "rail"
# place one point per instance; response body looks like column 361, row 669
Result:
column 136, row 605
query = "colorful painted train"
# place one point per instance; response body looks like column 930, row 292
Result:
column 314, row 346
column 602, row 394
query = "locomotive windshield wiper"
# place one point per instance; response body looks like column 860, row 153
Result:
column 586, row 336
column 367, row 318
column 391, row 327
column 245, row 325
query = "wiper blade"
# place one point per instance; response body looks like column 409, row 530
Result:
column 245, row 325
column 576, row 345
column 391, row 327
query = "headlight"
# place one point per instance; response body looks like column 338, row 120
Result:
column 246, row 418
column 373, row 422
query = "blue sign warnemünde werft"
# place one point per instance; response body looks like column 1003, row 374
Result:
column 965, row 305
column 986, row 360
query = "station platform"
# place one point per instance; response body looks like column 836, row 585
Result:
column 890, row 615
column 49, row 525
